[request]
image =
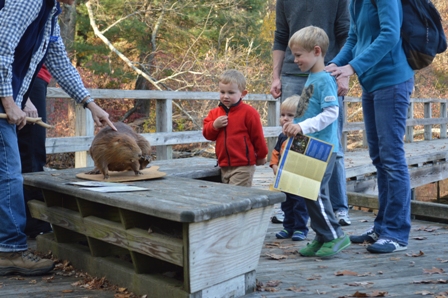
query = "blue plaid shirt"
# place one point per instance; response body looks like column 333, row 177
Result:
column 15, row 17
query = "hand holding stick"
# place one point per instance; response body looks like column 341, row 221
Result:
column 30, row 120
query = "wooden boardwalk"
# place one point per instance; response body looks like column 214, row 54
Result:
column 422, row 270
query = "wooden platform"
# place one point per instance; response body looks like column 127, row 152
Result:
column 281, row 272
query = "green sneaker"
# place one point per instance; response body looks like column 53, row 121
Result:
column 310, row 249
column 331, row 248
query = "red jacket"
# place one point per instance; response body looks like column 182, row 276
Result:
column 242, row 141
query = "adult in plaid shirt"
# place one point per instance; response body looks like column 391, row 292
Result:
column 30, row 35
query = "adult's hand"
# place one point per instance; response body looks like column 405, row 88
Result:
column 342, row 75
column 13, row 113
column 30, row 110
column 343, row 71
column 342, row 85
column 276, row 88
column 100, row 116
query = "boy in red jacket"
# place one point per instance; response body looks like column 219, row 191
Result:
column 236, row 128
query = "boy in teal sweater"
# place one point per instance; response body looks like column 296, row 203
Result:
column 316, row 116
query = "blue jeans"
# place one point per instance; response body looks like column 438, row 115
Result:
column 296, row 215
column 33, row 155
column 12, row 204
column 385, row 113
column 338, row 183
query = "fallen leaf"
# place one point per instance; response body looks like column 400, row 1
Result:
column 296, row 290
column 346, row 272
column 357, row 284
column 272, row 245
column 314, row 277
column 419, row 238
column 419, row 254
column 434, row 270
column 67, row 291
column 358, row 294
column 276, row 257
column 273, row 283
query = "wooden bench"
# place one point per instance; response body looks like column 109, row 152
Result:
column 184, row 237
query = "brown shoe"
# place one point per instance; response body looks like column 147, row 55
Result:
column 23, row 263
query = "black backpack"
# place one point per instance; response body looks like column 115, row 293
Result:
column 422, row 32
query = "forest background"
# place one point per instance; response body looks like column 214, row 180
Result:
column 184, row 46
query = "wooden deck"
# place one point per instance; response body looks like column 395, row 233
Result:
column 281, row 272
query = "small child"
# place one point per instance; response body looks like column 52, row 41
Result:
column 236, row 127
column 316, row 116
column 296, row 216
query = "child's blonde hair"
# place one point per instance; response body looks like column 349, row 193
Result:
column 309, row 37
column 291, row 103
column 233, row 76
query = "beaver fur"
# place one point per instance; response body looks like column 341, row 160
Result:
column 120, row 150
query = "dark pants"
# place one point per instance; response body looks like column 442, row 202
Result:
column 296, row 215
column 33, row 156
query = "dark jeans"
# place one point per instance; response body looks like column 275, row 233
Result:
column 296, row 215
column 31, row 140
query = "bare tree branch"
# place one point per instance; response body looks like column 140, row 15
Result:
column 113, row 49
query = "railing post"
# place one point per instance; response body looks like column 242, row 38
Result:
column 409, row 136
column 344, row 123
column 84, row 126
column 273, row 120
column 443, row 115
column 164, row 123
column 428, row 115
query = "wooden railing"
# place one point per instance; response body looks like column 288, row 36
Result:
column 428, row 121
column 164, row 138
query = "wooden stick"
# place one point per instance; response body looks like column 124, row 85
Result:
column 30, row 120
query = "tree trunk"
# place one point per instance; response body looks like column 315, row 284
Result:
column 142, row 106
column 67, row 22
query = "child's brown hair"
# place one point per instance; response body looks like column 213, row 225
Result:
column 233, row 76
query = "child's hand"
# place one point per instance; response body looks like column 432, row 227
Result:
column 291, row 130
column 220, row 122
column 261, row 162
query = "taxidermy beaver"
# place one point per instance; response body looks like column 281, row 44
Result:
column 120, row 150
